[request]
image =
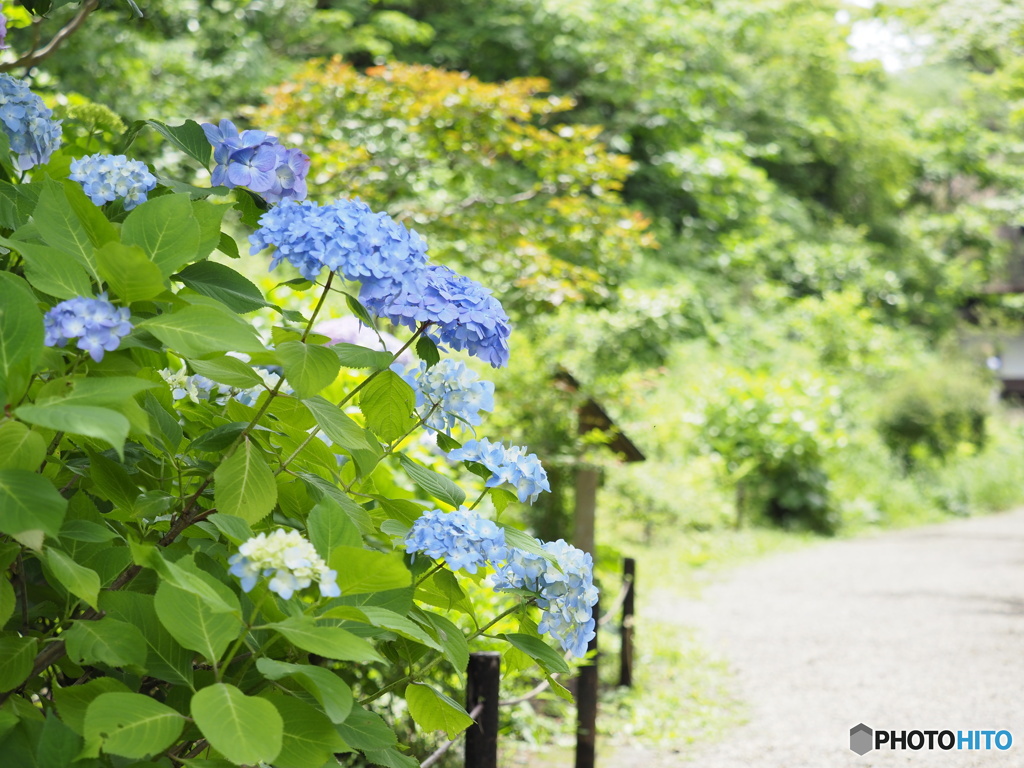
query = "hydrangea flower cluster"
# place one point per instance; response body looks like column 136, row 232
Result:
column 462, row 313
column 34, row 136
column 3, row 33
column 106, row 178
column 271, row 377
column 98, row 325
column 288, row 559
column 512, row 465
column 448, row 393
column 184, row 385
column 565, row 585
column 465, row 540
column 256, row 160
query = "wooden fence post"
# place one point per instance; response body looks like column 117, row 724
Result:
column 626, row 655
column 586, row 706
column 482, row 686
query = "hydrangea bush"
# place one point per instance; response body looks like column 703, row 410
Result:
column 218, row 549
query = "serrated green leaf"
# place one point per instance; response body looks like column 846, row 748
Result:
column 101, row 423
column 329, row 642
column 80, row 581
column 309, row 368
column 389, row 404
column 106, row 641
column 224, row 284
column 190, row 621
column 426, row 350
column 7, row 601
column 209, row 217
column 188, row 137
column 228, row 370
column 234, row 528
column 326, row 687
column 345, row 433
column 453, row 642
column 165, row 229
column 30, row 507
column 354, row 356
column 131, row 725
column 219, row 438
column 21, row 334
column 329, row 527
column 364, row 570
column 166, row 659
column 199, row 330
column 244, row 729
column 310, row 739
column 17, row 655
column 365, row 730
column 129, row 272
column 437, row 485
column 390, row 758
column 60, row 227
column 50, row 271
column 433, row 711
column 244, row 485
column 73, row 701
column 549, row 659
column 501, row 498
column 20, row 447
column 105, row 392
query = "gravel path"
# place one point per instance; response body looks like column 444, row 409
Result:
column 917, row 629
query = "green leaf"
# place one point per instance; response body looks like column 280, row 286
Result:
column 59, row 745
column 129, row 272
column 359, row 310
column 106, row 391
column 30, row 507
column 50, row 271
column 242, row 728
column 20, row 447
column 388, row 403
column 501, row 498
column 187, row 576
column 310, row 739
column 87, row 531
column 309, row 368
column 61, row 227
column 17, row 203
column 188, row 137
column 219, row 438
column 101, row 423
column 209, row 217
column 353, row 356
column 163, row 424
column 390, row 758
column 364, row 570
column 7, row 600
column 166, row 659
column 400, row 625
column 131, row 725
column 17, row 654
column 234, row 528
column 346, row 434
column 96, row 224
column 319, row 488
column 549, row 659
column 453, row 642
column 329, row 642
column 165, row 229
column 193, row 624
column 80, row 581
column 244, row 485
column 224, row 284
column 433, row 711
column 326, row 687
column 250, row 205
column 228, row 370
column 228, row 246
column 21, row 334
column 437, row 485
column 106, row 641
column 73, row 701
column 200, row 329
column 426, row 350
column 329, row 527
column 365, row 730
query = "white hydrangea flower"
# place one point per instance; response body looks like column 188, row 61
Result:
column 288, row 559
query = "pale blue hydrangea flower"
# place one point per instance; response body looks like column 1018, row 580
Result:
column 462, row 538
column 565, row 588
column 460, row 312
column 256, row 160
column 98, row 325
column 289, row 561
column 185, row 385
column 511, row 465
column 106, row 178
column 28, row 123
column 449, row 393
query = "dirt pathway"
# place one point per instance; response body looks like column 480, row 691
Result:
column 919, row 629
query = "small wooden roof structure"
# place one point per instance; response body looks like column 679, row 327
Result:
column 593, row 416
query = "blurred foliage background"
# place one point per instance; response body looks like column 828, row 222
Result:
column 756, row 232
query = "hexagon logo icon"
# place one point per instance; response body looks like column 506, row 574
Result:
column 860, row 739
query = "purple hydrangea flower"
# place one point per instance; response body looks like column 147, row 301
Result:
column 3, row 33
column 33, row 135
column 465, row 540
column 98, row 325
column 106, row 178
column 512, row 465
column 256, row 160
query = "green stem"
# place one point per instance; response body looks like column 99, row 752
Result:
column 437, row 567
column 479, row 498
column 319, row 306
column 241, row 638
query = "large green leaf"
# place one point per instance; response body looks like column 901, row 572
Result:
column 346, row 434
column 191, row 621
column 437, row 485
column 106, row 641
column 228, row 370
column 129, row 272
column 329, row 642
column 21, row 334
column 364, row 570
column 549, row 659
column 20, row 447
column 433, row 711
column 80, row 581
column 326, row 687
column 330, row 527
column 453, row 642
column 243, row 728
column 165, row 229
column 388, row 403
column 17, row 655
column 365, row 730
column 60, row 226
column 354, row 356
column 131, row 725
column 88, row 420
column 73, row 701
column 103, row 391
column 189, row 137
column 209, row 216
column 244, row 486
column 310, row 740
column 7, row 600
column 224, row 284
column 201, row 329
column 50, row 271
column 166, row 658
column 309, row 368
column 30, row 507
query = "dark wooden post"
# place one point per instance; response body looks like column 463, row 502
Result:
column 483, row 683
column 626, row 655
column 586, row 707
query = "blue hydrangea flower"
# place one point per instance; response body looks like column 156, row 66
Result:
column 256, row 160
column 449, row 393
column 462, row 538
column 287, row 559
column 106, row 178
column 191, row 386
column 512, row 465
column 565, row 587
column 33, row 135
column 98, row 325
column 345, row 236
column 461, row 312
